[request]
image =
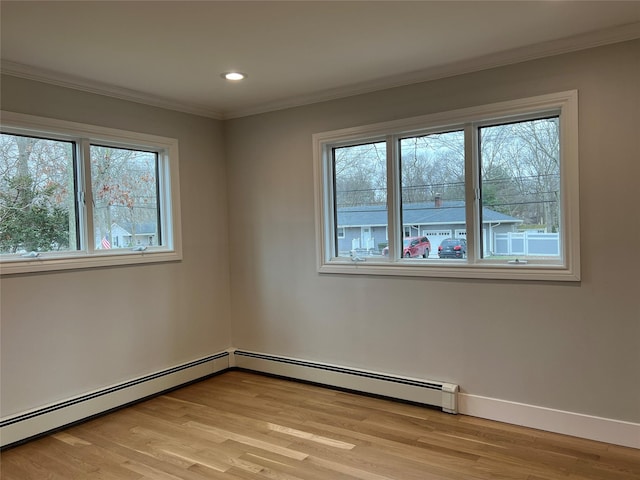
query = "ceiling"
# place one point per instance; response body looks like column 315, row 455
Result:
column 172, row 53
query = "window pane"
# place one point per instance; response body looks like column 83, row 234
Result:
column 37, row 193
column 433, row 194
column 125, row 195
column 520, row 183
column 360, row 176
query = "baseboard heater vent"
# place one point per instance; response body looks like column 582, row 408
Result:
column 17, row 428
column 428, row 392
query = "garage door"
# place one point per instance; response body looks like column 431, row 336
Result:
column 436, row 237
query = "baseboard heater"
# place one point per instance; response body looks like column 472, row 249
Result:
column 17, row 428
column 427, row 392
column 23, row 426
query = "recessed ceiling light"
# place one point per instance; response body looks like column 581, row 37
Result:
column 234, row 76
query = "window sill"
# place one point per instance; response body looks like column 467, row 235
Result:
column 53, row 262
column 452, row 269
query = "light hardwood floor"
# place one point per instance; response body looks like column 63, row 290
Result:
column 240, row 425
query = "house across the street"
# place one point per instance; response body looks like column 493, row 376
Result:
column 128, row 235
column 364, row 228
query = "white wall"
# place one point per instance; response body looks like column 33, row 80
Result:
column 567, row 346
column 70, row 332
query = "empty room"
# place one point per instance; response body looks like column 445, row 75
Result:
column 319, row 240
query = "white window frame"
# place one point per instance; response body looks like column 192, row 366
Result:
column 88, row 256
column 567, row 268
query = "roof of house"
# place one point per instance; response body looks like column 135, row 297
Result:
column 450, row 212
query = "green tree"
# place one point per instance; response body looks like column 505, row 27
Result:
column 29, row 220
column 35, row 203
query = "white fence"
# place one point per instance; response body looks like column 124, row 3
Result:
column 527, row 243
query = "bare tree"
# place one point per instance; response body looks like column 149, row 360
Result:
column 432, row 165
column 361, row 175
column 521, row 170
column 124, row 189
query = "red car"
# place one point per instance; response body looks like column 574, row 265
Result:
column 416, row 247
column 413, row 247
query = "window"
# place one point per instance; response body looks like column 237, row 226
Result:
column 37, row 195
column 76, row 196
column 432, row 185
column 124, row 185
column 495, row 186
column 360, row 209
column 520, row 178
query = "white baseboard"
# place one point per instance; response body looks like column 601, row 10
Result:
column 24, row 425
column 607, row 430
column 558, row 421
column 429, row 392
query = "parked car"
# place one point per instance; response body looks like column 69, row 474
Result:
column 413, row 247
column 416, row 247
column 453, row 248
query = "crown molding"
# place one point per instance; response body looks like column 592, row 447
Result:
column 51, row 77
column 507, row 57
column 517, row 55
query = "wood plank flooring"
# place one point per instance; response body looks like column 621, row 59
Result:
column 241, row 425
